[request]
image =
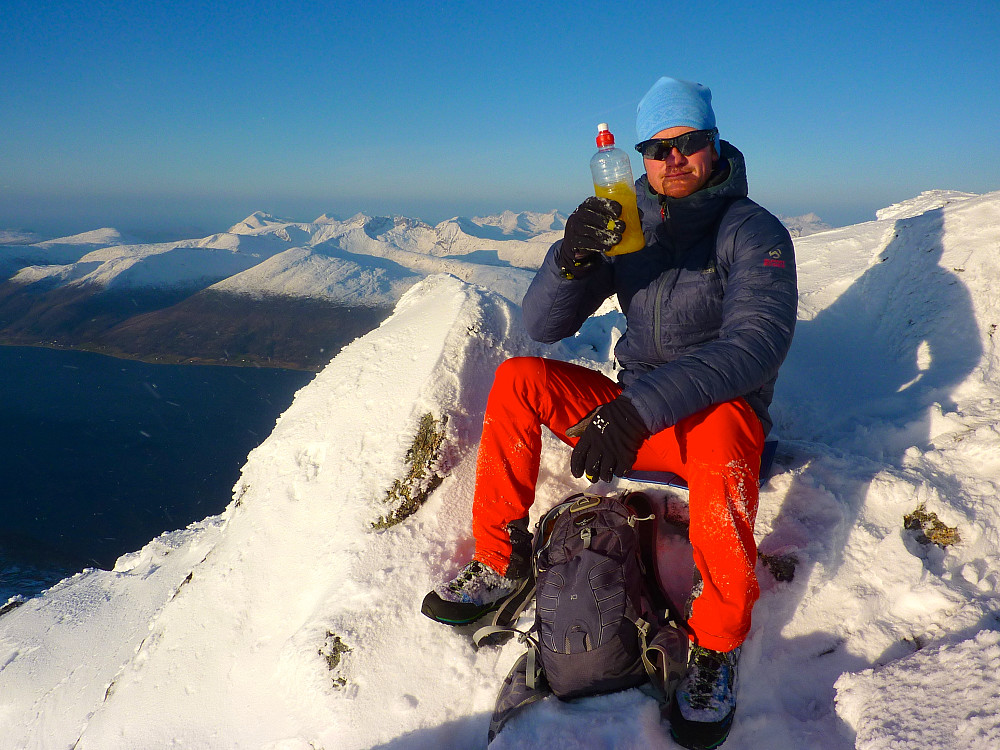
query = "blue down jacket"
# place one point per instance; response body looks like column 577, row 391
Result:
column 710, row 301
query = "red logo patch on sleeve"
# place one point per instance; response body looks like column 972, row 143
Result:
column 774, row 263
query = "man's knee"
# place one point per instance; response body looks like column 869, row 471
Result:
column 724, row 432
column 514, row 372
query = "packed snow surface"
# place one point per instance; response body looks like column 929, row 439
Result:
column 290, row 623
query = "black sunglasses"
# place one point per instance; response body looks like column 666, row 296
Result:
column 688, row 144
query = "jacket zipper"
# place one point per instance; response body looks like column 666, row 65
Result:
column 658, row 301
column 658, row 306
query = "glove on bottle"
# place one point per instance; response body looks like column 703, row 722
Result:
column 593, row 228
column 611, row 437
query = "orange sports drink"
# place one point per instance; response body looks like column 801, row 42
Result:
column 612, row 172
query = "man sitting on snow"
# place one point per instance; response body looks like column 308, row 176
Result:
column 710, row 305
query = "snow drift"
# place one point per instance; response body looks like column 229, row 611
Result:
column 289, row 622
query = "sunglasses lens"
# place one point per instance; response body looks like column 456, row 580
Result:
column 690, row 143
column 657, row 150
column 662, row 149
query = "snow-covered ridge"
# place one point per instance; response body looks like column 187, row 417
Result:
column 926, row 201
column 224, row 634
column 61, row 250
column 524, row 224
column 18, row 237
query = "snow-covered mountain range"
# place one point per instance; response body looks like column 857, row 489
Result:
column 193, row 300
column 363, row 260
column 291, row 622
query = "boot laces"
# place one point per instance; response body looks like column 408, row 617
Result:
column 708, row 666
column 469, row 573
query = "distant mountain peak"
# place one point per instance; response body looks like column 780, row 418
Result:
column 105, row 236
column 255, row 222
column 523, row 222
column 801, row 226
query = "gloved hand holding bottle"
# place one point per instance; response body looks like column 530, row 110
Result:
column 591, row 230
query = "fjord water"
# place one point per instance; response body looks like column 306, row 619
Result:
column 100, row 455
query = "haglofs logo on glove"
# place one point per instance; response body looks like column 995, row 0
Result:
column 600, row 423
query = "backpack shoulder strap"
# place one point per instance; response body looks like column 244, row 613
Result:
column 665, row 645
column 665, row 609
column 515, row 603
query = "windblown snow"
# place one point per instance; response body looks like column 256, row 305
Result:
column 289, row 622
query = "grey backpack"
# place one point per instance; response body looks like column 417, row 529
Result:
column 601, row 620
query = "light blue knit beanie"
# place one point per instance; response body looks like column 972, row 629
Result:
column 671, row 103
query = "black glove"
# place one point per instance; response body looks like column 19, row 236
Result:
column 587, row 235
column 611, row 437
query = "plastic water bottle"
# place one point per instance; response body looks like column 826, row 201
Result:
column 612, row 172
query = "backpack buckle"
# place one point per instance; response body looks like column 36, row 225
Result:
column 585, row 503
column 634, row 519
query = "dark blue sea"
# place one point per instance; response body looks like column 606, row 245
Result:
column 99, row 455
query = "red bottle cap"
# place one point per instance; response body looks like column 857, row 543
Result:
column 604, row 137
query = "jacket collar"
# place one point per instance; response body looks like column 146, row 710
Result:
column 684, row 220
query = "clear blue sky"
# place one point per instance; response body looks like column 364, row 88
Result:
column 186, row 116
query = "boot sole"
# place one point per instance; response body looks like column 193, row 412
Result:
column 507, row 609
column 699, row 735
column 449, row 613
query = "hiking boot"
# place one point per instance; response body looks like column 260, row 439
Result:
column 475, row 591
column 702, row 710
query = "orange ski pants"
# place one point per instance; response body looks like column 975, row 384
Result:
column 717, row 450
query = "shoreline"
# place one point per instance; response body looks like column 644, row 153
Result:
column 163, row 358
